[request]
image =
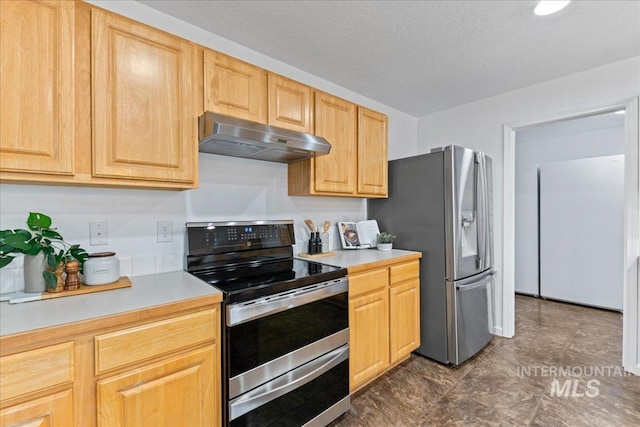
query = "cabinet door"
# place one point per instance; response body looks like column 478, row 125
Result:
column 55, row 410
column 37, row 86
column 143, row 113
column 234, row 88
column 336, row 122
column 372, row 153
column 290, row 104
column 182, row 391
column 404, row 319
column 368, row 337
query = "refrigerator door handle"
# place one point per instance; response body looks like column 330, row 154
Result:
column 476, row 201
column 486, row 251
column 481, row 224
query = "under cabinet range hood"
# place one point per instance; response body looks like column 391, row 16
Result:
column 230, row 136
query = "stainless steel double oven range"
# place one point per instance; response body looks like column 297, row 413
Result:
column 285, row 324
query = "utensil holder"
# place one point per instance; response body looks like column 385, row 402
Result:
column 324, row 237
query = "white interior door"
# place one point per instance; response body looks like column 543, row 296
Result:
column 581, row 231
column 526, row 231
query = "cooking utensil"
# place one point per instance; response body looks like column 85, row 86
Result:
column 310, row 224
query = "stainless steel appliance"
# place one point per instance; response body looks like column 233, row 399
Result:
column 231, row 136
column 441, row 204
column 285, row 324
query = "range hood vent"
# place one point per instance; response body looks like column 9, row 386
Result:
column 230, row 136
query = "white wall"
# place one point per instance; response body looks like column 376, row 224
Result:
column 479, row 125
column 531, row 152
column 230, row 188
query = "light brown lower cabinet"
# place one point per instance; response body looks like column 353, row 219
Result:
column 54, row 410
column 39, row 372
column 384, row 319
column 171, row 392
column 368, row 326
column 135, row 369
column 404, row 319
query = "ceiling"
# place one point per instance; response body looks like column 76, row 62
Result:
column 420, row 57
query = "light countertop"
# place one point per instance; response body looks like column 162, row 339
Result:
column 364, row 259
column 145, row 292
column 158, row 290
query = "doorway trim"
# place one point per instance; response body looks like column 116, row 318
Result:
column 631, row 318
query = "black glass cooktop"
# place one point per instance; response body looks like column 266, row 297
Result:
column 244, row 282
column 251, row 259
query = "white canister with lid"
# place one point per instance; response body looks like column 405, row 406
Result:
column 101, row 268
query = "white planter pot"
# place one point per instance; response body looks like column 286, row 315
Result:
column 34, row 266
column 385, row 246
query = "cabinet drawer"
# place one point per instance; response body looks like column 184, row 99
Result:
column 400, row 273
column 143, row 342
column 36, row 370
column 362, row 283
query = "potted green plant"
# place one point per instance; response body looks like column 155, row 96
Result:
column 385, row 240
column 44, row 249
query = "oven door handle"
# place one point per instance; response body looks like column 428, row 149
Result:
column 250, row 310
column 287, row 382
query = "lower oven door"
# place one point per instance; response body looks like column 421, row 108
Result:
column 311, row 395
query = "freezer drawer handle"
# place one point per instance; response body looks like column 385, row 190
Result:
column 484, row 281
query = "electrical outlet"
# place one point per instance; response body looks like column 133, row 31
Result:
column 165, row 231
column 98, row 233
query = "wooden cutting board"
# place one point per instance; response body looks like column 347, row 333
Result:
column 123, row 282
column 323, row 254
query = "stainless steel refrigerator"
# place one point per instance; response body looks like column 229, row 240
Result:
column 441, row 205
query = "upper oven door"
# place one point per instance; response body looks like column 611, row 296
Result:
column 268, row 337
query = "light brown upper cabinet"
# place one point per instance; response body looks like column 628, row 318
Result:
column 372, row 153
column 93, row 98
column 234, row 88
column 142, row 87
column 290, row 104
column 357, row 163
column 336, row 122
column 37, row 87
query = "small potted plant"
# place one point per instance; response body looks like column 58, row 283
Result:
column 46, row 253
column 385, row 240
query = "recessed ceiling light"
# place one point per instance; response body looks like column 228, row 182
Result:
column 619, row 112
column 550, row 6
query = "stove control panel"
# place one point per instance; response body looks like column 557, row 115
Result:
column 216, row 237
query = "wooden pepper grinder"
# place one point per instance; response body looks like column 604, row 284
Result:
column 72, row 282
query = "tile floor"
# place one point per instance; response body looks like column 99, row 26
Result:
column 493, row 387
